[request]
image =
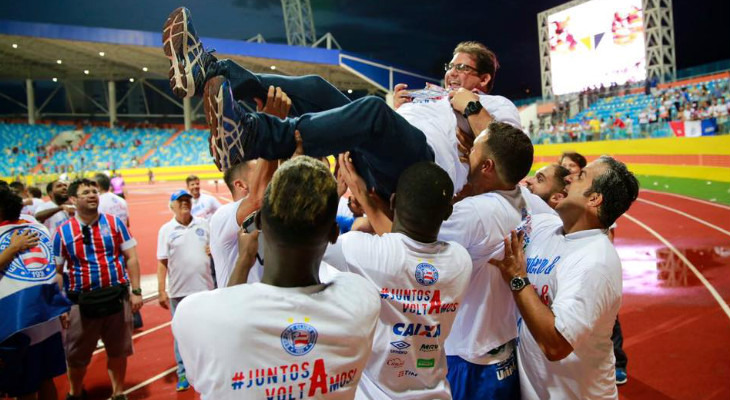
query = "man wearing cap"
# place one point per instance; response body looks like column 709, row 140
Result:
column 182, row 258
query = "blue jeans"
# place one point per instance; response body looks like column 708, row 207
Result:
column 382, row 144
column 180, row 367
column 308, row 94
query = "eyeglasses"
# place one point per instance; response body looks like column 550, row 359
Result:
column 86, row 231
column 460, row 67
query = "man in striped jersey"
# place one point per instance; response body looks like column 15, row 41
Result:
column 102, row 261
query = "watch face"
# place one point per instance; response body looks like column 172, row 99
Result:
column 517, row 283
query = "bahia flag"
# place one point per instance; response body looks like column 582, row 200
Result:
column 29, row 293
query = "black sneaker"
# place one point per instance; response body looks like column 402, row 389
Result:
column 229, row 132
column 188, row 60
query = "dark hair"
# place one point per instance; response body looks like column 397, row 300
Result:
column 300, row 202
column 559, row 173
column 485, row 59
column 511, row 149
column 73, row 188
column 10, row 204
column 235, row 172
column 619, row 189
column 575, row 157
column 423, row 196
column 35, row 192
column 49, row 188
column 191, row 178
column 3, row 184
column 18, row 186
column 103, row 181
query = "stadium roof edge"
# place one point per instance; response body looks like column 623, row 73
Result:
column 344, row 69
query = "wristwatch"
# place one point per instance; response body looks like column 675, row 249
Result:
column 473, row 107
column 518, row 283
column 137, row 292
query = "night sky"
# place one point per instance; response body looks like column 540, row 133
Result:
column 417, row 35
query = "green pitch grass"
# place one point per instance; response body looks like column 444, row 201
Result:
column 718, row 192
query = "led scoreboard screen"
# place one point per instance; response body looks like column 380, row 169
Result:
column 597, row 42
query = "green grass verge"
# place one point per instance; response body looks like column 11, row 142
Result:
column 718, row 192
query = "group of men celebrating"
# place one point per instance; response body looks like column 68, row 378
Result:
column 472, row 287
column 501, row 294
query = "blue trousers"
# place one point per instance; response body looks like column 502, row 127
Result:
column 178, row 359
column 382, row 144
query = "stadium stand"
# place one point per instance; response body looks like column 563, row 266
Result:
column 188, row 148
column 24, row 146
column 640, row 115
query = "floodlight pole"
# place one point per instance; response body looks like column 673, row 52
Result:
column 30, row 96
column 112, row 103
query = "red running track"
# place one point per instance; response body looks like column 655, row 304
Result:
column 677, row 338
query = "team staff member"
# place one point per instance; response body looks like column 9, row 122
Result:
column 102, row 260
column 109, row 203
column 182, row 258
column 567, row 286
column 204, row 205
column 548, row 183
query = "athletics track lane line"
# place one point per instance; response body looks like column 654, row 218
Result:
column 684, row 214
column 148, row 381
column 709, row 203
column 684, row 259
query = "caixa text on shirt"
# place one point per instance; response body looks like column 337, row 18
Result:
column 406, row 330
column 420, row 302
column 295, row 381
column 536, row 265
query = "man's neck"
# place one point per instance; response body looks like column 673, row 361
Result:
column 583, row 222
column 422, row 237
column 291, row 266
column 87, row 217
column 184, row 220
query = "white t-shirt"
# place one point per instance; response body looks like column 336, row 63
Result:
column 421, row 286
column 579, row 277
column 30, row 209
column 438, row 121
column 55, row 220
column 224, row 231
column 110, row 203
column 480, row 224
column 343, row 209
column 204, row 206
column 304, row 342
column 188, row 265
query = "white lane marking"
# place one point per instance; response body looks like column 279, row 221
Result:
column 684, row 214
column 684, row 259
column 723, row 206
column 148, row 331
column 148, row 381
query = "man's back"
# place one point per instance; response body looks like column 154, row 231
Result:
column 297, row 342
column 421, row 286
column 224, row 232
column 480, row 223
column 109, row 203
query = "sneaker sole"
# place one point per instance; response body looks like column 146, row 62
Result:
column 213, row 105
column 174, row 43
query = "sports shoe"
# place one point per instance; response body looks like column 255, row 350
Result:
column 188, row 60
column 230, row 128
column 82, row 396
column 182, row 384
column 621, row 376
column 120, row 397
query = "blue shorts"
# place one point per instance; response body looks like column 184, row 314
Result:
column 25, row 367
column 475, row 381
